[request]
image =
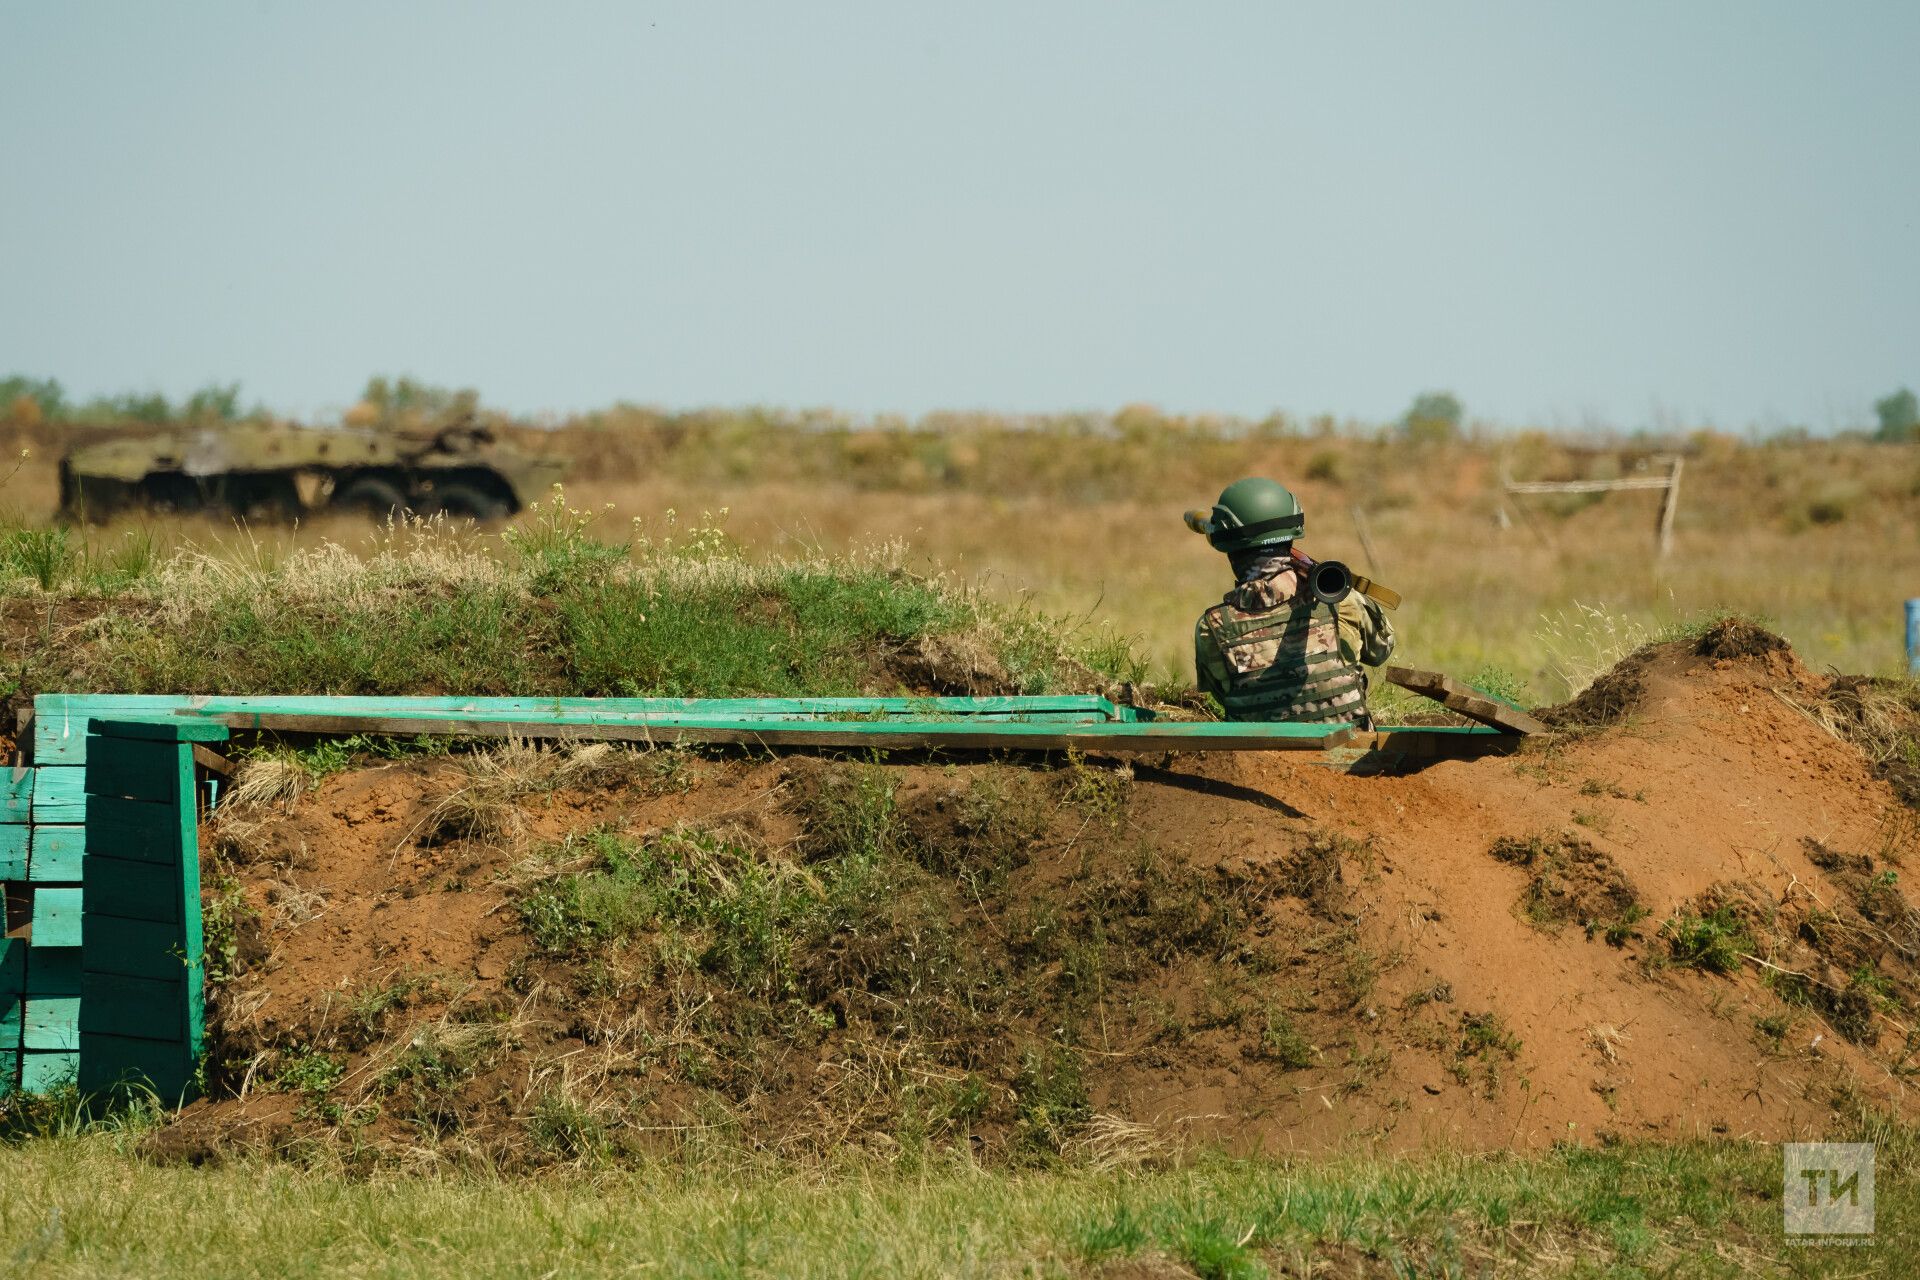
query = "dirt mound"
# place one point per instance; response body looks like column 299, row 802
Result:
column 1689, row 922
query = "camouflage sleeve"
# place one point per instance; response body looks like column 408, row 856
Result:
column 1209, row 664
column 1365, row 634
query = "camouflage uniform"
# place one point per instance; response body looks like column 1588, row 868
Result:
column 1268, row 651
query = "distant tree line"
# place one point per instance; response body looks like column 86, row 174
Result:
column 1433, row 417
column 33, row 400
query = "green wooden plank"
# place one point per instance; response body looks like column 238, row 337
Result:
column 60, row 720
column 16, row 795
column 12, row 1023
column 158, row 729
column 9, row 1074
column 51, row 1022
column 145, row 1008
column 56, row 918
column 45, row 1072
column 13, row 966
column 57, row 852
column 132, row 948
column 52, row 971
column 59, row 795
column 135, row 890
column 157, row 772
column 1116, row 736
column 136, row 830
column 109, row 1063
column 15, row 841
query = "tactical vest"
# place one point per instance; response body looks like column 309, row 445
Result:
column 1284, row 663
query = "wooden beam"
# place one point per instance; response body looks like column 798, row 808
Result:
column 1465, row 700
column 1669, row 505
column 1137, row 738
column 212, row 761
column 1586, row 486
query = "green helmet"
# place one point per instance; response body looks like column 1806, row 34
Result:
column 1250, row 513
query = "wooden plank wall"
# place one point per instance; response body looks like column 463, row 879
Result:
column 139, row 1017
column 41, row 846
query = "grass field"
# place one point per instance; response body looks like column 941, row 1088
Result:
column 82, row 1206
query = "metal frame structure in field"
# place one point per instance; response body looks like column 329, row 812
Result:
column 99, row 971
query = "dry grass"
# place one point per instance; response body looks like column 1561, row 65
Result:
column 486, row 803
column 269, row 782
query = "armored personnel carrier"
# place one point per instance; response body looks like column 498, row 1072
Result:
column 264, row 471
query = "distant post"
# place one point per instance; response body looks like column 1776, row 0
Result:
column 1913, row 637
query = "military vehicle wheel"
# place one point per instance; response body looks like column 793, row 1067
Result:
column 371, row 496
column 465, row 502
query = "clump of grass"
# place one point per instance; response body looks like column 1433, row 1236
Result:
column 568, row 1127
column 45, row 556
column 487, row 801
column 1485, row 1047
column 1099, row 792
column 1282, row 1042
column 1714, row 942
column 1051, row 1103
column 1502, row 685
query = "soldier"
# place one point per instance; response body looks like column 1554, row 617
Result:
column 1269, row 650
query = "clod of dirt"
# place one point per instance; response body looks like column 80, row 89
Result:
column 1607, row 700
column 1571, row 882
column 1738, row 638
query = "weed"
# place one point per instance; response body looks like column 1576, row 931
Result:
column 1050, row 1099
column 1775, row 1027
column 566, row 1128
column 1714, row 942
column 1215, row 1251
column 224, row 913
column 47, row 556
column 1484, row 1047
column 1283, row 1043
column 1100, row 793
column 1118, row 1232
column 851, row 813
column 369, row 1007
column 1359, row 973
column 1622, row 929
column 311, row 1072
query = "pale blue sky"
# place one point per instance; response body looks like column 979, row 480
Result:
column 1624, row 213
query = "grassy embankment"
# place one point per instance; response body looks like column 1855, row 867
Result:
column 1080, row 516
column 547, row 608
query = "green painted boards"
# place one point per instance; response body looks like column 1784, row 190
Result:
column 141, row 1000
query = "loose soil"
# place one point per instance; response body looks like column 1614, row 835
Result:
column 1682, row 914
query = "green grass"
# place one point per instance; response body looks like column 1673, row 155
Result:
column 545, row 609
column 80, row 1206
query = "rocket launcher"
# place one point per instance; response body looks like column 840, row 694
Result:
column 1328, row 581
